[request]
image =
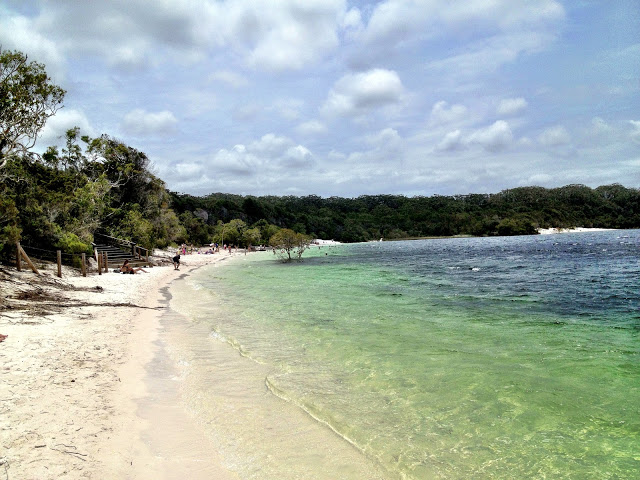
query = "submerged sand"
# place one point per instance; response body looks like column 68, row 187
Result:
column 73, row 369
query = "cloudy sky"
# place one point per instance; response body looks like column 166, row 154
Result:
column 336, row 97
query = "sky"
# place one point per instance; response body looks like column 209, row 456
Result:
column 348, row 98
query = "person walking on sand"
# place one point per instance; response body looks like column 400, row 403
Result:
column 176, row 262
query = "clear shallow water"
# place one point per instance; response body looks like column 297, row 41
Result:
column 462, row 358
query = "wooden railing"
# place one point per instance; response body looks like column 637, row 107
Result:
column 137, row 251
column 21, row 255
column 119, row 242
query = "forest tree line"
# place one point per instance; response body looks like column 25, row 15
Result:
column 517, row 211
column 60, row 199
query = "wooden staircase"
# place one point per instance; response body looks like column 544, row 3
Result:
column 118, row 250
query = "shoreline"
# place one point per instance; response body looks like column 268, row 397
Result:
column 557, row 230
column 75, row 373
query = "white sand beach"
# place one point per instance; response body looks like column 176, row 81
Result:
column 72, row 374
column 552, row 231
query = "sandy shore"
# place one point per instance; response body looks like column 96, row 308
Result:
column 552, row 231
column 73, row 370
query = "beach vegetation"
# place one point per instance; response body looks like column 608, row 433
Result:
column 251, row 236
column 70, row 243
column 27, row 99
column 518, row 211
column 289, row 245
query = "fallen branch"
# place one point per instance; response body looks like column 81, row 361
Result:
column 76, row 454
column 128, row 305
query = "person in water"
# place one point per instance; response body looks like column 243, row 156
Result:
column 126, row 268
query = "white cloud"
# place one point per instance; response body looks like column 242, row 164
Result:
column 128, row 34
column 507, row 29
column 288, row 108
column 246, row 113
column 487, row 55
column 554, row 136
column 141, row 122
column 511, row 106
column 297, row 156
column 451, row 141
column 599, row 127
column 285, row 36
column 21, row 33
column 441, row 114
column 237, row 161
column 358, row 93
column 270, row 152
column 56, row 127
column 494, row 137
column 395, row 20
column 352, row 20
column 387, row 138
column 188, row 171
column 230, row 78
column 635, row 133
column 130, row 58
column 525, row 142
column 271, row 144
column 538, row 179
column 312, row 127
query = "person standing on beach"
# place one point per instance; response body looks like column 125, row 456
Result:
column 176, row 262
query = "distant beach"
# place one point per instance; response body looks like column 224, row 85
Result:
column 552, row 231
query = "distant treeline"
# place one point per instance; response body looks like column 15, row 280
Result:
column 517, row 211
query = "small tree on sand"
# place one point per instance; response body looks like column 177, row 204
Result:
column 289, row 245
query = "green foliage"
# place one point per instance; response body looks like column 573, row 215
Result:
column 518, row 211
column 231, row 233
column 135, row 227
column 9, row 230
column 251, row 236
column 515, row 226
column 9, row 235
column 267, row 231
column 289, row 245
column 70, row 243
column 27, row 100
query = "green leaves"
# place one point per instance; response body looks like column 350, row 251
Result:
column 27, row 100
column 289, row 245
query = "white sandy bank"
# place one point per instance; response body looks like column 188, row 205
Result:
column 70, row 380
column 551, row 231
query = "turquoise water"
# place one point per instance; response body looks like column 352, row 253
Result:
column 461, row 358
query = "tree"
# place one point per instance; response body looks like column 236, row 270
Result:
column 27, row 100
column 9, row 230
column 287, row 242
column 251, row 236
